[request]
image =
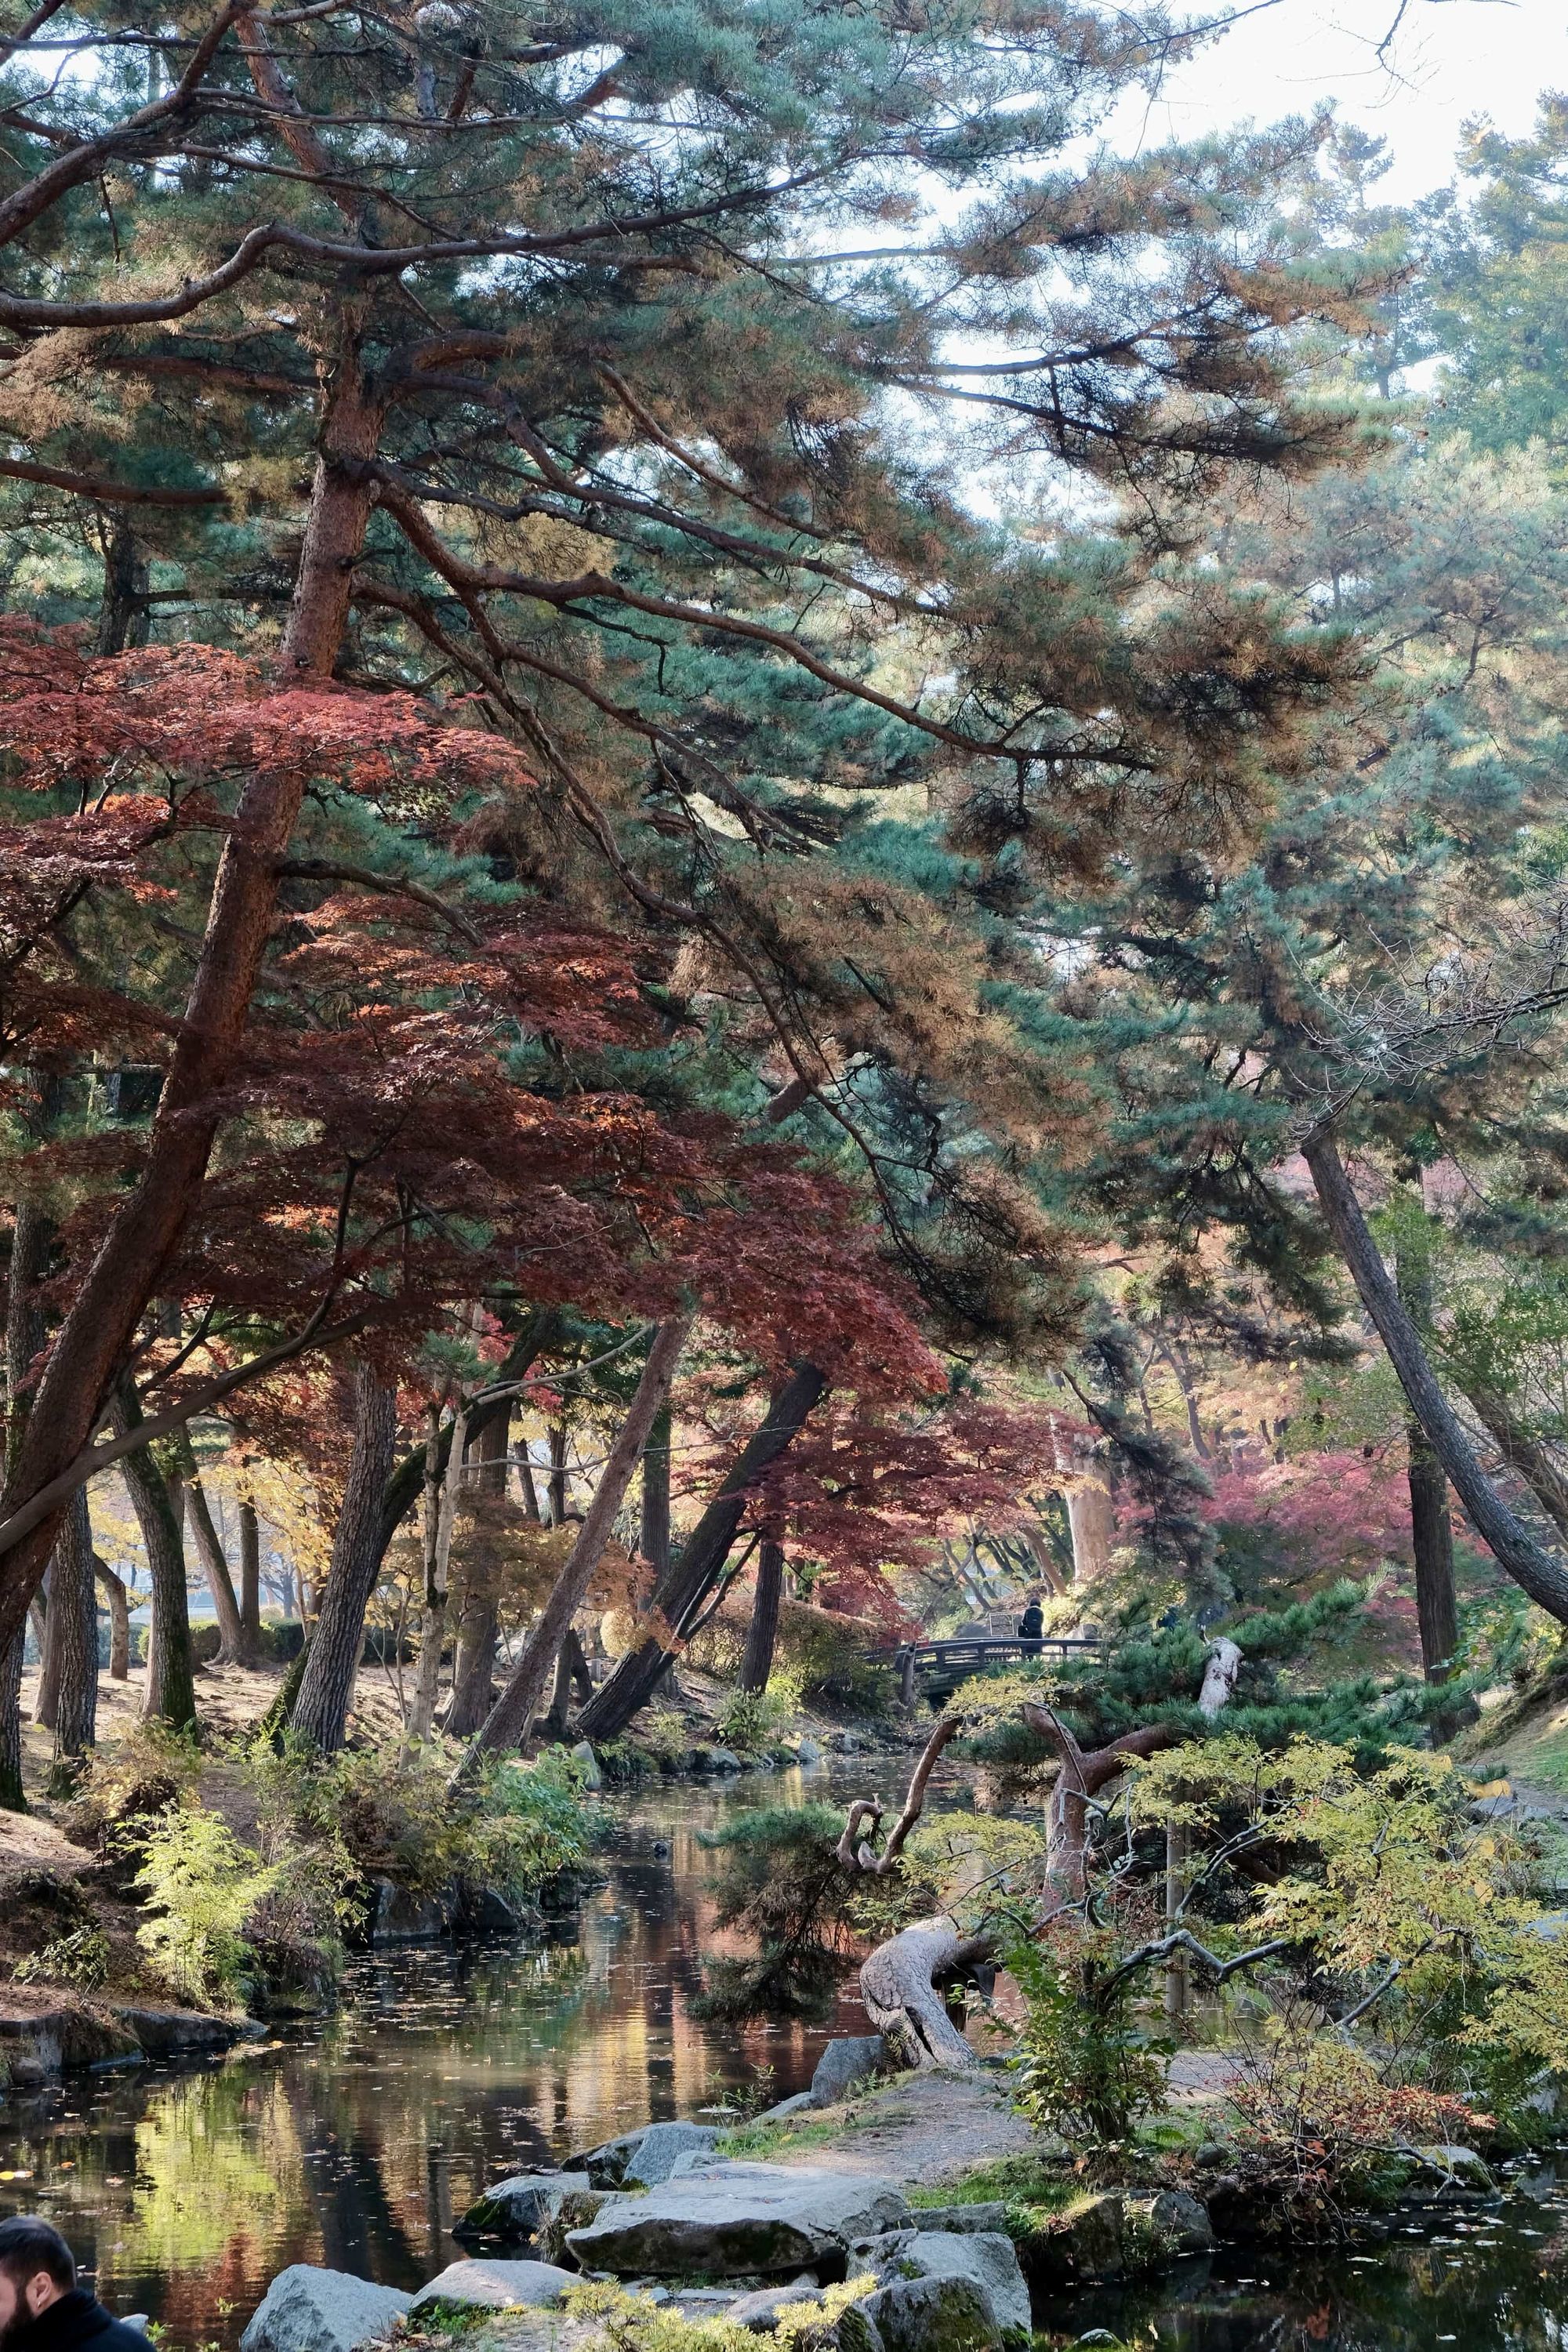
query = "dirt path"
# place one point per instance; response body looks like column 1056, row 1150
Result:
column 920, row 2129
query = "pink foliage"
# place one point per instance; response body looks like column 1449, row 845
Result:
column 1346, row 1511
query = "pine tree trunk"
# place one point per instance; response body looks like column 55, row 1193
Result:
column 249, row 1583
column 655, row 1493
column 508, row 1722
column 1431, row 1528
column 558, row 1474
column 1532, row 1569
column 171, row 1693
column 119, row 1606
column 13, row 1799
column 326, row 1686
column 122, row 615
column 73, row 1639
column 693, row 1576
column 1092, row 1519
column 571, row 1675
column 123, row 1276
column 440, row 1510
column 210, row 1552
column 479, row 1621
column 762, row 1631
column 46, row 1698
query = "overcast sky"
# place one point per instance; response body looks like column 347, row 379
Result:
column 1452, row 60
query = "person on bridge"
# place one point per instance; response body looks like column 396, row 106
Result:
column 1031, row 1625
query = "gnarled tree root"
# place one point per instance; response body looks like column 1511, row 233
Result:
column 899, row 1986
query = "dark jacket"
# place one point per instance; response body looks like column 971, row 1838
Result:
column 1032, row 1623
column 77, row 2322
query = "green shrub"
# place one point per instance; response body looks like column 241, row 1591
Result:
column 782, row 1883
column 749, row 1720
column 201, row 1886
column 78, row 1957
column 1085, row 2067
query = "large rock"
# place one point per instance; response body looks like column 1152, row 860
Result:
column 606, row 2165
column 494, row 2286
column 798, row 2106
column 310, row 2310
column 527, row 2205
column 984, row 2260
column 402, row 1918
column 1160, row 2228
column 932, row 2314
column 588, row 1765
column 35, row 2048
column 174, row 2032
column 653, row 2159
column 734, row 2221
column 844, row 2064
column 1082, row 2242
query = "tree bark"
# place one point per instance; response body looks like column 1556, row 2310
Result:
column 571, row 1675
column 171, row 1693
column 325, row 1690
column 1522, row 1451
column 1431, row 1527
column 1091, row 1517
column 557, row 1489
column 478, row 1620
column 249, row 1583
column 45, row 1699
column 119, row 1607
column 13, row 1797
column 210, row 1552
column 701, row 1563
column 762, row 1631
column 92, row 1339
column 122, row 615
column 1534, row 1569
column 507, row 1724
column 441, row 1490
column 73, row 1642
column 1084, row 1772
column 656, row 1493
column 898, row 1985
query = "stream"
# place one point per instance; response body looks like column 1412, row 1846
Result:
column 357, row 2139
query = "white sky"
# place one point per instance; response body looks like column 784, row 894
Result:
column 1452, row 60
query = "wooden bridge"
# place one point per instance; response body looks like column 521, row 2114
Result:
column 936, row 1668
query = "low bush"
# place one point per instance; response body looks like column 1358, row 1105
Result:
column 226, row 1927
column 749, row 1721
column 80, row 1958
column 781, row 1881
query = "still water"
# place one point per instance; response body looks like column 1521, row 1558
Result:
column 356, row 2141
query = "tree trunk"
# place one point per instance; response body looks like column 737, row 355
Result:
column 1092, row 1519
column 406, row 1481
column 1522, row 1451
column 46, row 1698
column 571, row 1675
column 119, row 1607
column 1083, row 1773
column 898, row 1985
column 73, row 1642
column 1431, row 1527
column 507, row 1724
column 210, row 1552
column 249, row 1583
column 762, row 1631
column 1176, row 1987
column 326, row 1685
column 656, row 1493
column 479, row 1621
column 557, row 1490
column 171, row 1693
column 97, row 1330
column 1532, row 1569
column 13, row 1799
column 122, row 615
column 679, row 1595
column 440, row 1510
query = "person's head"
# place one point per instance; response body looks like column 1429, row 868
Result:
column 37, row 2268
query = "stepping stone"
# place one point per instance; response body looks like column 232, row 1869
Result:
column 494, row 2286
column 310, row 2310
column 735, row 2221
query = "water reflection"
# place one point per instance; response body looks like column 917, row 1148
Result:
column 357, row 2142
column 1494, row 2280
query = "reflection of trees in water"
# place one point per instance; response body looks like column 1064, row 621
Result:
column 358, row 2146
